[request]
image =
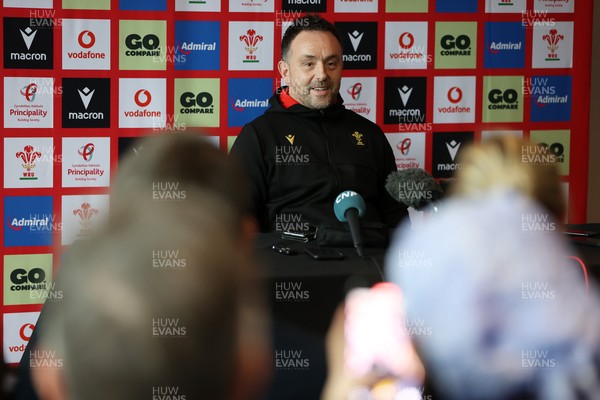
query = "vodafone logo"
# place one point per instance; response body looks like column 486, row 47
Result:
column 455, row 95
column 354, row 90
column 406, row 40
column 404, row 146
column 88, row 42
column 142, row 93
column 26, row 331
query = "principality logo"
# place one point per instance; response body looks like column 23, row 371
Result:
column 89, row 42
column 85, row 213
column 142, row 94
column 28, row 155
column 404, row 146
column 29, row 92
column 354, row 90
column 251, row 40
column 87, row 151
column 553, row 39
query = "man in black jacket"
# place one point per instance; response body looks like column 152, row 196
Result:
column 307, row 148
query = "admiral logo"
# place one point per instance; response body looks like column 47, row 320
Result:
column 497, row 47
column 240, row 105
column 198, row 45
column 187, row 47
column 503, row 100
column 359, row 44
column 405, row 100
column 201, row 103
column 551, row 98
column 28, row 46
column 247, row 99
column 251, row 41
column 456, row 46
column 32, row 222
column 28, row 221
column 86, row 103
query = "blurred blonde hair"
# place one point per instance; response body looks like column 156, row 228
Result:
column 499, row 163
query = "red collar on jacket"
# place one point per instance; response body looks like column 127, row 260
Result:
column 286, row 100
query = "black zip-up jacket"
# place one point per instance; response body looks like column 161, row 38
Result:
column 299, row 159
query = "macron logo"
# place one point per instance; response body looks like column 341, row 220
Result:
column 86, row 96
column 405, row 92
column 453, row 147
column 28, row 36
column 355, row 38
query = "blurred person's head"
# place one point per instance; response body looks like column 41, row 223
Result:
column 165, row 304
column 506, row 312
column 502, row 162
column 168, row 166
column 311, row 61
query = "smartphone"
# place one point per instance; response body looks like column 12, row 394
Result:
column 323, row 253
column 299, row 236
column 376, row 338
column 581, row 233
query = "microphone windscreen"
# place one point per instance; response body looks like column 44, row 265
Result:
column 347, row 200
column 413, row 187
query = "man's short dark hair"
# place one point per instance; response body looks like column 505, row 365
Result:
column 311, row 22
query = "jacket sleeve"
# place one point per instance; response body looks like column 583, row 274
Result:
column 392, row 212
column 248, row 152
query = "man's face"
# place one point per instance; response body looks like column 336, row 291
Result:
column 313, row 70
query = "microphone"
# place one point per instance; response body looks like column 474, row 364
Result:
column 413, row 187
column 350, row 206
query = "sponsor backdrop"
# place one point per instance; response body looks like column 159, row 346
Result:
column 82, row 78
